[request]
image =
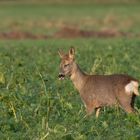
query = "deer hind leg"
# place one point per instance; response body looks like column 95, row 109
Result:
column 128, row 108
column 127, row 103
column 133, row 100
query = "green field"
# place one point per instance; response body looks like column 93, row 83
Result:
column 34, row 104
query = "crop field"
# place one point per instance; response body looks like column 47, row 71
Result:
column 34, row 104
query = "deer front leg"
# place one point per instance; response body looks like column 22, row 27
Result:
column 97, row 112
column 89, row 109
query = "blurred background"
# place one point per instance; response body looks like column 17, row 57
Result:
column 41, row 19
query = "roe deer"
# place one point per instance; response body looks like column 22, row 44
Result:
column 97, row 91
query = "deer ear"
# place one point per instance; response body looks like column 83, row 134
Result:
column 60, row 53
column 71, row 52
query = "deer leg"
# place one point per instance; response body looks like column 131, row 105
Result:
column 127, row 104
column 133, row 100
column 128, row 109
column 89, row 109
column 97, row 112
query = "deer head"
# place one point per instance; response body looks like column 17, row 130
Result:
column 67, row 63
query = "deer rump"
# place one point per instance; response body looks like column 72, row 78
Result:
column 102, row 90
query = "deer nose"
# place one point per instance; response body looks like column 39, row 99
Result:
column 61, row 76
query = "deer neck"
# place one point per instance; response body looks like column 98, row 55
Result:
column 78, row 77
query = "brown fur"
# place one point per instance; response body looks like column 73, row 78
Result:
column 97, row 91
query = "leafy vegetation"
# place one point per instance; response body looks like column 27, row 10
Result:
column 34, row 104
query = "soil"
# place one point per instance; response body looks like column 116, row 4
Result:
column 21, row 35
column 67, row 32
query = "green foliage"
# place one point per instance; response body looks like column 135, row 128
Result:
column 34, row 104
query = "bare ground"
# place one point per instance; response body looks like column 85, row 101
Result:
column 68, row 32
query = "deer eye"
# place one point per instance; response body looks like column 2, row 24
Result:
column 66, row 65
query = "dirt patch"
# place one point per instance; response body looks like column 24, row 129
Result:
column 67, row 32
column 75, row 33
column 21, row 35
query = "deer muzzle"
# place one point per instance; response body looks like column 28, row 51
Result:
column 61, row 76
